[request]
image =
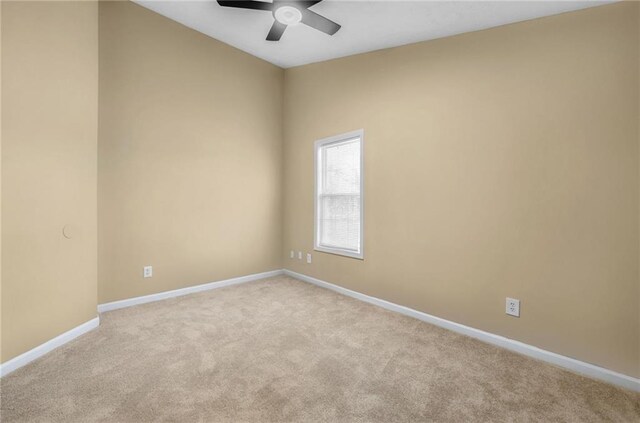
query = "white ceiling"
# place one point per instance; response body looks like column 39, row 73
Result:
column 366, row 24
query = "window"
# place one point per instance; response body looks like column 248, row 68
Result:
column 339, row 205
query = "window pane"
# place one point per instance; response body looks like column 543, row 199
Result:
column 342, row 168
column 339, row 213
column 340, row 221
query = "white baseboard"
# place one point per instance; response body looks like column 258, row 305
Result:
column 569, row 363
column 184, row 291
column 26, row 358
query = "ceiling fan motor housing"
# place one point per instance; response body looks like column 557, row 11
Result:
column 288, row 15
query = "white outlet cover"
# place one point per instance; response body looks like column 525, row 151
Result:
column 148, row 271
column 308, row 258
column 299, row 255
column 292, row 254
column 513, row 307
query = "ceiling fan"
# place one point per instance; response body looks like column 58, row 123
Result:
column 285, row 13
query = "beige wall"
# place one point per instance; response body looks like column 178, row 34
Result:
column 497, row 163
column 190, row 157
column 49, row 142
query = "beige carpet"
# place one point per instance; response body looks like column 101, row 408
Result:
column 282, row 350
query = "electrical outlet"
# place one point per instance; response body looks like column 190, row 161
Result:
column 292, row 254
column 513, row 307
column 308, row 258
column 148, row 271
column 299, row 255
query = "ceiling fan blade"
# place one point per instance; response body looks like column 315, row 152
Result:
column 277, row 29
column 298, row 3
column 319, row 22
column 246, row 4
column 307, row 3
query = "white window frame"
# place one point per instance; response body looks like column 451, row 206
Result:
column 317, row 168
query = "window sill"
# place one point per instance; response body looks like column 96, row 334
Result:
column 339, row 252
